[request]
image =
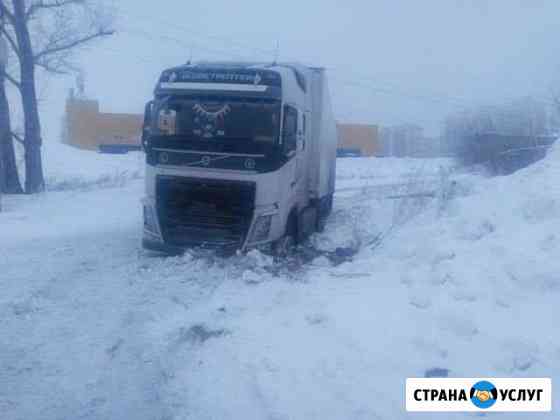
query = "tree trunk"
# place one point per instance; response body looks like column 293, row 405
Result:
column 34, row 181
column 9, row 177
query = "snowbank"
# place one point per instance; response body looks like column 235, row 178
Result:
column 375, row 171
column 470, row 288
column 94, row 328
column 69, row 168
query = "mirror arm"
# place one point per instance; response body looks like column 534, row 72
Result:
column 147, row 123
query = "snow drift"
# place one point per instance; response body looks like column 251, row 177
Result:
column 469, row 288
column 466, row 284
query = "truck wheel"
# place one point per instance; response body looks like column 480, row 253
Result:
column 324, row 213
column 321, row 223
column 329, row 205
column 284, row 246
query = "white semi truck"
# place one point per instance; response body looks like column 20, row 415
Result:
column 238, row 155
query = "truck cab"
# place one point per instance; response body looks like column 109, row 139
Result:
column 238, row 155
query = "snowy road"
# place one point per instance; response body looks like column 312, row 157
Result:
column 80, row 300
column 93, row 328
column 69, row 309
column 77, row 297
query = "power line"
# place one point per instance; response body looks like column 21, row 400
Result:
column 222, row 39
column 186, row 44
column 360, row 81
column 135, row 57
column 393, row 92
column 503, row 110
column 454, row 100
column 367, row 81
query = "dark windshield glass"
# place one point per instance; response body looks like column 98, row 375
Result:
column 226, row 119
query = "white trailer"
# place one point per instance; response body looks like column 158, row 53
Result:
column 238, row 155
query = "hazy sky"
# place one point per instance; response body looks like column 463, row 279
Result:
column 390, row 61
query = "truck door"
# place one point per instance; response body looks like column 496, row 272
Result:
column 301, row 167
column 295, row 147
column 290, row 147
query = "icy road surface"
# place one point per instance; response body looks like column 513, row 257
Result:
column 91, row 327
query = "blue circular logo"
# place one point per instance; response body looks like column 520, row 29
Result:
column 483, row 394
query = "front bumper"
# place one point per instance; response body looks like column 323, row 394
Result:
column 154, row 240
column 154, row 245
column 206, row 213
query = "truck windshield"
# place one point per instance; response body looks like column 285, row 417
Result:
column 243, row 120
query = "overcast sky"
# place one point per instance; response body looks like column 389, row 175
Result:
column 390, row 61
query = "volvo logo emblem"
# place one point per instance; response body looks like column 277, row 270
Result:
column 163, row 157
column 250, row 163
column 205, row 161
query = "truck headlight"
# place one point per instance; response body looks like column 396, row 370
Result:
column 261, row 229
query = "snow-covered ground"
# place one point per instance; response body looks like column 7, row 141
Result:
column 70, row 168
column 92, row 327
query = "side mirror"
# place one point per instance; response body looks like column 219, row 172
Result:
column 147, row 125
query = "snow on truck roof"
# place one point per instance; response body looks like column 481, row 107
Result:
column 251, row 65
column 300, row 71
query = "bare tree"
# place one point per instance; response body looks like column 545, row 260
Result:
column 45, row 34
column 9, row 177
column 483, row 134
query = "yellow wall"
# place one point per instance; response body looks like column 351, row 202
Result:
column 359, row 136
column 87, row 128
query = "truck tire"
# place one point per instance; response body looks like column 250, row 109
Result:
column 324, row 212
column 329, row 205
column 284, row 246
column 321, row 223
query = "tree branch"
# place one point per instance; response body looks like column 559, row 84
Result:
column 11, row 41
column 49, row 68
column 72, row 44
column 18, row 138
column 40, row 4
column 10, row 78
column 6, row 12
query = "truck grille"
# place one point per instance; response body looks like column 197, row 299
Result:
column 204, row 212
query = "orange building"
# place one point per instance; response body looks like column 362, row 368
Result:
column 359, row 139
column 88, row 128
